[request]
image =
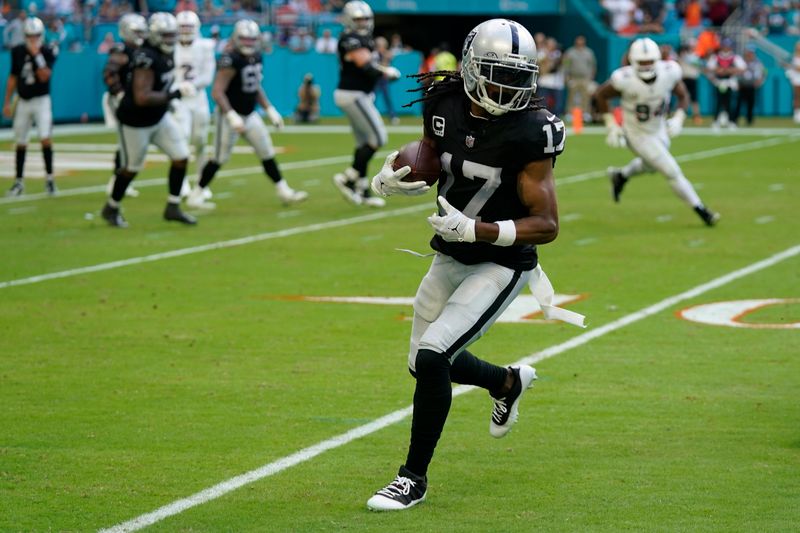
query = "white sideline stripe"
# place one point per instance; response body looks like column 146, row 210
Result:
column 695, row 156
column 306, row 454
column 291, row 165
column 214, row 246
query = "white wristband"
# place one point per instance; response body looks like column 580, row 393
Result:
column 506, row 234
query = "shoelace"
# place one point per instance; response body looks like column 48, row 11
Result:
column 500, row 410
column 401, row 486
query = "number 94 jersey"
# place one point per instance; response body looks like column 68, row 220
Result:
column 645, row 105
column 242, row 91
column 481, row 160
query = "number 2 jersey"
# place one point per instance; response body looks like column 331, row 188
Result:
column 195, row 63
column 481, row 160
column 146, row 58
column 23, row 66
column 242, row 91
column 644, row 105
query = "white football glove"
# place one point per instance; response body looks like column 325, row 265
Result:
column 235, row 121
column 615, row 137
column 187, row 89
column 454, row 225
column 274, row 117
column 389, row 181
column 675, row 124
column 391, row 73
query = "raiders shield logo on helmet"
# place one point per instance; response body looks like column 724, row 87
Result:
column 469, row 141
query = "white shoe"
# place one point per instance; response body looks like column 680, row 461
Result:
column 291, row 196
column 347, row 188
column 506, row 408
column 207, row 194
column 186, row 188
column 373, row 201
column 196, row 200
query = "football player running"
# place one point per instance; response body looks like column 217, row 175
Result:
column 497, row 202
column 195, row 63
column 236, row 90
column 645, row 88
column 143, row 119
column 116, row 75
column 31, row 69
column 359, row 72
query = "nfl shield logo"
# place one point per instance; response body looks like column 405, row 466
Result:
column 470, row 141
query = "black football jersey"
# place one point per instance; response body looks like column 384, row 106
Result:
column 146, row 58
column 481, row 160
column 23, row 66
column 242, row 92
column 351, row 77
column 117, row 76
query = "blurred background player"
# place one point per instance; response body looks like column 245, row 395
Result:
column 116, row 75
column 308, row 94
column 31, row 68
column 359, row 71
column 645, row 87
column 194, row 63
column 237, row 89
column 724, row 68
column 793, row 73
column 143, row 118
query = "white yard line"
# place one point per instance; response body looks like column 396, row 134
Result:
column 306, row 454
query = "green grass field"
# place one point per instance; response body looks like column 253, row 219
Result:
column 126, row 387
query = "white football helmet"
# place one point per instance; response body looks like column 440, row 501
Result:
column 246, row 36
column 499, row 66
column 133, row 29
column 357, row 17
column 188, row 26
column 643, row 55
column 33, row 29
column 163, row 32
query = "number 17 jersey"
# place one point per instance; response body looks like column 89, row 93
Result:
column 481, row 160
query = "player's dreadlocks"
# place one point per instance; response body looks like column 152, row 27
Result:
column 432, row 89
column 451, row 82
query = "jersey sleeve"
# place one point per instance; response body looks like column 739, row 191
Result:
column 543, row 136
column 50, row 54
column 17, row 59
column 142, row 59
column 350, row 43
column 619, row 79
column 675, row 71
column 225, row 61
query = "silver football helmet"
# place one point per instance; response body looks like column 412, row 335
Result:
column 188, row 26
column 133, row 29
column 246, row 36
column 33, row 28
column 499, row 66
column 643, row 55
column 357, row 17
column 163, row 32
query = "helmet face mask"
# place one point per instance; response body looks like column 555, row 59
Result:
column 133, row 29
column 188, row 27
column 643, row 55
column 163, row 32
column 499, row 66
column 246, row 37
column 357, row 17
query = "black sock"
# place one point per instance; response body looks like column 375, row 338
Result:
column 469, row 370
column 176, row 175
column 47, row 154
column 271, row 168
column 117, row 162
column 361, row 159
column 432, row 398
column 20, row 160
column 121, row 183
column 208, row 173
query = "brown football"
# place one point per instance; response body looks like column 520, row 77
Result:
column 423, row 160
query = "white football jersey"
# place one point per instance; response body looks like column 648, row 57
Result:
column 644, row 105
column 195, row 63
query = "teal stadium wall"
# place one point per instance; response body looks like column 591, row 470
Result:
column 77, row 85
